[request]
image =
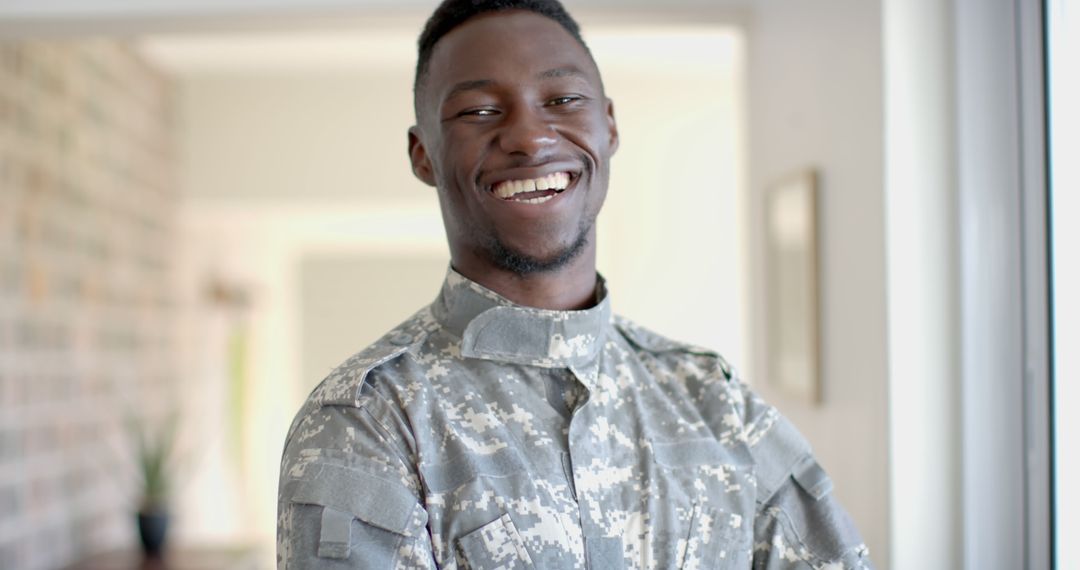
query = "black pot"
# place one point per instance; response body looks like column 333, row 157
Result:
column 152, row 527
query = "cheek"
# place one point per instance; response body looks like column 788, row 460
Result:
column 591, row 135
column 602, row 139
column 465, row 143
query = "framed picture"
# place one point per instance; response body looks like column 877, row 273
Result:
column 792, row 330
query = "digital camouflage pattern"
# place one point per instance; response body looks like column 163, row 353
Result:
column 482, row 435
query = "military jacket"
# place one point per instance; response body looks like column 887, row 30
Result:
column 480, row 434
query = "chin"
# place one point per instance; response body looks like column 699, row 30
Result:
column 525, row 262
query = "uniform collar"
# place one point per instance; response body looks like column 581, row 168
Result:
column 492, row 327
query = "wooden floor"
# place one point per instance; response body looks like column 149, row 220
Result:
column 178, row 559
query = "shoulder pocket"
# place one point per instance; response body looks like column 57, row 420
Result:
column 494, row 545
column 346, row 495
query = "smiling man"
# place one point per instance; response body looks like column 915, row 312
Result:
column 514, row 422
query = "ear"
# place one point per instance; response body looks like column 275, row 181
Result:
column 418, row 156
column 613, row 129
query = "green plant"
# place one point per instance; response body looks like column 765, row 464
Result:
column 154, row 456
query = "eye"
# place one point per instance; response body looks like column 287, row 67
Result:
column 563, row 100
column 478, row 112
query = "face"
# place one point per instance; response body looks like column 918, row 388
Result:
column 515, row 132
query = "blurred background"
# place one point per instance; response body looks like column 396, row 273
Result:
column 206, row 206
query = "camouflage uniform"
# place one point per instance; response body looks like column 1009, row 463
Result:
column 481, row 434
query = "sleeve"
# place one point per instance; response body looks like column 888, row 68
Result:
column 798, row 523
column 348, row 497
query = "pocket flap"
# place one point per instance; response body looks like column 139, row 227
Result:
column 691, row 453
column 451, row 474
column 335, row 534
column 385, row 504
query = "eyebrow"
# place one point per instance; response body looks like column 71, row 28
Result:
column 476, row 84
column 566, row 71
column 470, row 85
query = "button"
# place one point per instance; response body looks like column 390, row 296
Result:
column 401, row 339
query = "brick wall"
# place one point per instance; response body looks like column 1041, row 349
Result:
column 87, row 209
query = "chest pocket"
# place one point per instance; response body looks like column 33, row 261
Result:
column 715, row 486
column 713, row 542
column 496, row 545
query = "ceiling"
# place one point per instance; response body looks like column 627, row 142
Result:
column 47, row 18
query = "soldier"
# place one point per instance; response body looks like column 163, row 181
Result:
column 515, row 422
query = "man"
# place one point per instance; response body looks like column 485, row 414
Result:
column 514, row 423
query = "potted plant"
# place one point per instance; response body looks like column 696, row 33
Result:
column 154, row 458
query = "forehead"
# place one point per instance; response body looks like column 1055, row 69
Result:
column 504, row 47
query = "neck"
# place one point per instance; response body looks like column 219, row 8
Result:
column 571, row 287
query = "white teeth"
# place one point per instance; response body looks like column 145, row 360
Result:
column 555, row 181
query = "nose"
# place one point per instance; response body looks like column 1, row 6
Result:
column 526, row 133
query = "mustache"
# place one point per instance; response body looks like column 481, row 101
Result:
column 534, row 161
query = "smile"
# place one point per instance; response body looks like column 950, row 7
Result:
column 533, row 190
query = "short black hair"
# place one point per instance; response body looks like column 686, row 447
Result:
column 452, row 13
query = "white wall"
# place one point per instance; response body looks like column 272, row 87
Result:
column 671, row 233
column 350, row 299
column 815, row 100
column 303, row 136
